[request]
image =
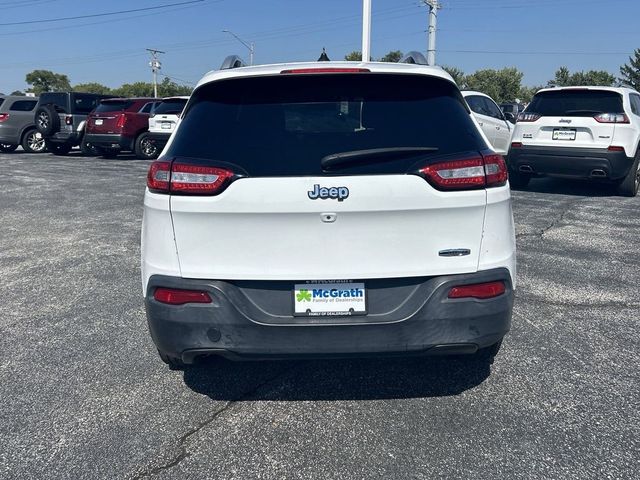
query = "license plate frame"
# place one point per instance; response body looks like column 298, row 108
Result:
column 564, row 134
column 329, row 298
column 165, row 125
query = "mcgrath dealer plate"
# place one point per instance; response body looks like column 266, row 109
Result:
column 329, row 299
column 564, row 134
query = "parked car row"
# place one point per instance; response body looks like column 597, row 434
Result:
column 98, row 124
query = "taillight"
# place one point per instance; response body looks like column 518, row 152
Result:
column 487, row 170
column 612, row 118
column 182, row 178
column 68, row 120
column 175, row 296
column 528, row 117
column 327, row 70
column 4, row 117
column 480, row 291
column 122, row 119
column 516, row 144
column 615, row 148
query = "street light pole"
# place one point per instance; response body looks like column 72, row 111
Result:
column 366, row 30
column 251, row 46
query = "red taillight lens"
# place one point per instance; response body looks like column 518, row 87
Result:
column 495, row 170
column 195, row 179
column 612, row 118
column 487, row 170
column 122, row 119
column 68, row 120
column 615, row 148
column 528, row 117
column 159, row 176
column 175, row 296
column 481, row 291
column 326, row 70
column 181, row 178
column 516, row 144
column 4, row 117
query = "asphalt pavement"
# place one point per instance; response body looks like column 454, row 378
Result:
column 84, row 394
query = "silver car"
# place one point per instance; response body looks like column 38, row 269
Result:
column 17, row 126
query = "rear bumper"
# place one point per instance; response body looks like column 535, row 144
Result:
column 595, row 163
column 68, row 137
column 160, row 139
column 112, row 141
column 237, row 324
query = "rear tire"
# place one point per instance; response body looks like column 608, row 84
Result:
column 58, row 148
column 518, row 180
column 33, row 142
column 173, row 362
column 87, row 149
column 6, row 148
column 145, row 148
column 630, row 184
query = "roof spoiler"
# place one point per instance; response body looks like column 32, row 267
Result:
column 232, row 61
column 415, row 58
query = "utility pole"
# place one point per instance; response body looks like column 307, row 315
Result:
column 366, row 30
column 155, row 67
column 434, row 6
column 251, row 46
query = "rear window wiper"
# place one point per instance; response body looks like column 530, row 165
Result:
column 373, row 155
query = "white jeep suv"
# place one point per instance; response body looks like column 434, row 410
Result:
column 581, row 132
column 492, row 120
column 327, row 209
column 163, row 121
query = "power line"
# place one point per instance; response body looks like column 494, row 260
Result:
column 120, row 12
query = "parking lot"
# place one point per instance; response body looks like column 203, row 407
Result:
column 84, row 394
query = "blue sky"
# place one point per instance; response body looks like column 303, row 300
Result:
column 537, row 37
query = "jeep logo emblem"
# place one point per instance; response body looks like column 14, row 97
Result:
column 339, row 193
column 564, row 120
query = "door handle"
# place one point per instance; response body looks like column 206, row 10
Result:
column 497, row 128
column 480, row 123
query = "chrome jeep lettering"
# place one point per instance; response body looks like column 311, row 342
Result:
column 323, row 193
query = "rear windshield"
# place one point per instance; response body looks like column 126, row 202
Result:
column 170, row 107
column 113, row 106
column 84, row 103
column 285, row 124
column 1, row 101
column 575, row 103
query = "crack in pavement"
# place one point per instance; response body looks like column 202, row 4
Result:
column 183, row 453
column 540, row 234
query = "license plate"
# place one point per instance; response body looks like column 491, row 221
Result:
column 329, row 299
column 99, row 121
column 564, row 134
column 165, row 125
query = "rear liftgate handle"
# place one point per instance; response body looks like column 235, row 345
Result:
column 328, row 217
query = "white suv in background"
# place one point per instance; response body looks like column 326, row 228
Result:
column 163, row 120
column 491, row 119
column 327, row 209
column 580, row 132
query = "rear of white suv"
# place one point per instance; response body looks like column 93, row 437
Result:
column 580, row 132
column 326, row 210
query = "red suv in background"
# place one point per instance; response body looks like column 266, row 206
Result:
column 117, row 124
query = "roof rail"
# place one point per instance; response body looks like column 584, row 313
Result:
column 232, row 61
column 414, row 57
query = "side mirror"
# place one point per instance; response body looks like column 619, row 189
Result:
column 510, row 117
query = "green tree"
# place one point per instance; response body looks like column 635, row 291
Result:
column 92, row 87
column 18, row 93
column 631, row 71
column 354, row 56
column 457, row 74
column 501, row 85
column 136, row 89
column 526, row 93
column 564, row 78
column 393, row 56
column 168, row 88
column 47, row 81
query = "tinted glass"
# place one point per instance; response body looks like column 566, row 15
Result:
column 477, row 105
column 575, row 103
column 285, row 124
column 492, row 108
column 84, row 103
column 170, row 107
column 147, row 108
column 1, row 101
column 59, row 100
column 23, row 105
column 113, row 106
column 635, row 104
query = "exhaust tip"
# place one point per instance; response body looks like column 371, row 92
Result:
column 526, row 169
column 598, row 173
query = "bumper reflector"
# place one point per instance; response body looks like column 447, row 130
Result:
column 479, row 290
column 174, row 296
